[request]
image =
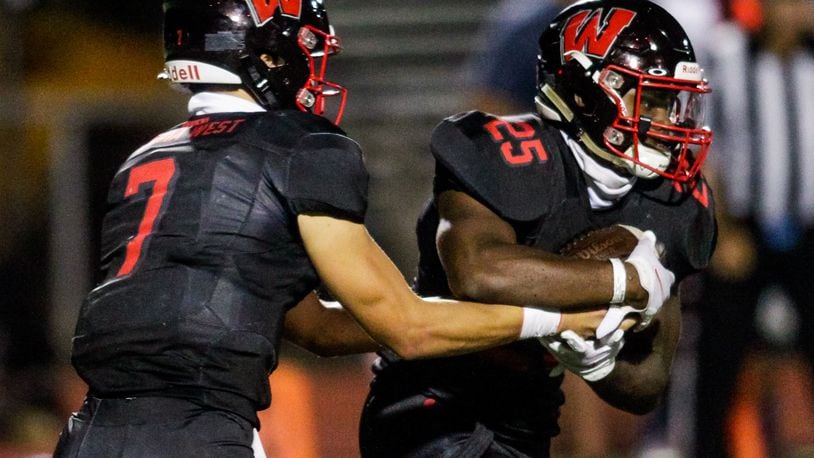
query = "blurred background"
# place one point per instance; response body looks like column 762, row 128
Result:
column 79, row 93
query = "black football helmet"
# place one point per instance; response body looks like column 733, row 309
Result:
column 277, row 50
column 621, row 76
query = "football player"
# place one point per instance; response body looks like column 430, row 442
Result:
column 618, row 138
column 220, row 229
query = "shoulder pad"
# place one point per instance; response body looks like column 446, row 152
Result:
column 511, row 164
column 326, row 174
column 685, row 215
column 285, row 128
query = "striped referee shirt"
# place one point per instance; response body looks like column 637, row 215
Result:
column 763, row 119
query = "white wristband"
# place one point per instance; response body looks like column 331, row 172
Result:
column 539, row 323
column 619, row 281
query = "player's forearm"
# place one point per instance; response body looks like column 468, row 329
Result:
column 515, row 274
column 338, row 335
column 326, row 329
column 636, row 388
column 424, row 329
column 484, row 262
column 373, row 290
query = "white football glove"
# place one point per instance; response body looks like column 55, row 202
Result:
column 654, row 278
column 591, row 359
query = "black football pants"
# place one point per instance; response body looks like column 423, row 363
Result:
column 412, row 427
column 153, row 427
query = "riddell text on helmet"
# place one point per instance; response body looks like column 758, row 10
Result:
column 188, row 73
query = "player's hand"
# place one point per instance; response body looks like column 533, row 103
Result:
column 585, row 324
column 591, row 359
column 581, row 323
column 656, row 279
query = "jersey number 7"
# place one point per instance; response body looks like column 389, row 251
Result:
column 161, row 173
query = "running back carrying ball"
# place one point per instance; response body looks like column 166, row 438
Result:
column 594, row 359
column 613, row 243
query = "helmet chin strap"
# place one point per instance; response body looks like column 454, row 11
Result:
column 650, row 156
column 638, row 150
column 600, row 152
column 560, row 107
column 258, row 86
column 646, row 154
column 561, row 113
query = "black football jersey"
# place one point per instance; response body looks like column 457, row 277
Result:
column 201, row 255
column 522, row 169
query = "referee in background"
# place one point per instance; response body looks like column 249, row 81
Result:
column 758, row 295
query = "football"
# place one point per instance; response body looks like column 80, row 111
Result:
column 616, row 241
